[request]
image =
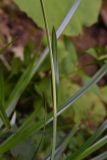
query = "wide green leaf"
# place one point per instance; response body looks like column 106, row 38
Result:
column 86, row 14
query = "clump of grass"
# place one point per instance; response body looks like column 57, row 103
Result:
column 29, row 125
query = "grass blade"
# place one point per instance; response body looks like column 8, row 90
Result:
column 68, row 17
column 55, row 59
column 2, row 104
column 2, row 50
column 92, row 139
column 20, row 87
column 54, row 94
column 102, row 156
column 61, row 147
column 84, row 89
column 26, row 130
column 91, row 149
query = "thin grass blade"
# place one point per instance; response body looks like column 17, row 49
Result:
column 20, row 87
column 61, row 147
column 54, row 94
column 2, row 102
column 55, row 57
column 92, row 139
column 26, row 130
column 2, row 50
column 102, row 156
column 91, row 149
column 84, row 89
column 68, row 17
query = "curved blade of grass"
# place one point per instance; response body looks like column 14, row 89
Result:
column 55, row 59
column 68, row 17
column 27, row 129
column 91, row 149
column 34, row 66
column 2, row 50
column 55, row 81
column 92, row 139
column 53, row 76
column 84, row 89
column 2, row 104
column 102, row 156
column 20, row 87
column 61, row 147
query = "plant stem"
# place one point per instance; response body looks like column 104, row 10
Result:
column 53, row 82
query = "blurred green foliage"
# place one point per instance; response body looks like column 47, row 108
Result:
column 86, row 14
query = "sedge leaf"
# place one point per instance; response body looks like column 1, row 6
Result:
column 55, row 59
column 2, row 102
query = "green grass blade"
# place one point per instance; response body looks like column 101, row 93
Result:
column 55, row 86
column 68, row 17
column 84, row 89
column 92, row 139
column 26, row 130
column 54, row 94
column 2, row 94
column 2, row 102
column 20, row 87
column 61, row 147
column 91, row 149
column 102, row 156
column 55, row 59
column 2, row 50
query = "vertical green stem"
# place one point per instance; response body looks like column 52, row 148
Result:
column 53, row 83
column 3, row 114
